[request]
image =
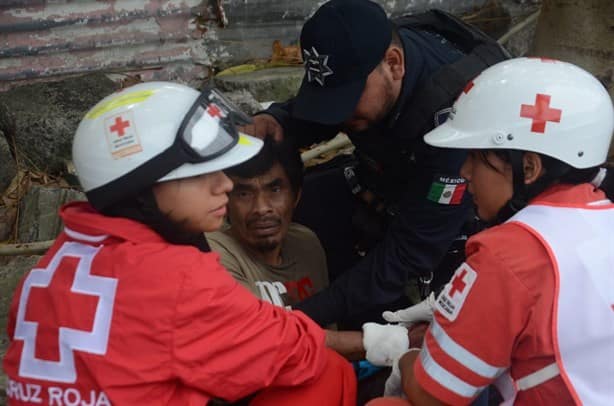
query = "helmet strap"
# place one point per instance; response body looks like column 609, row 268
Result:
column 520, row 194
column 604, row 180
column 554, row 170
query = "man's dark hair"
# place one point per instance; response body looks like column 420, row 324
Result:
column 285, row 152
column 396, row 38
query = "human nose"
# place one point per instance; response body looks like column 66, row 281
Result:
column 261, row 203
column 223, row 184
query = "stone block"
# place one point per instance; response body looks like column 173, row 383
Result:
column 245, row 101
column 39, row 219
column 42, row 117
column 7, row 221
column 273, row 84
column 8, row 166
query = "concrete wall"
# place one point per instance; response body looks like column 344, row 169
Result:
column 158, row 39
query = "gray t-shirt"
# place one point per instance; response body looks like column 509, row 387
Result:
column 302, row 272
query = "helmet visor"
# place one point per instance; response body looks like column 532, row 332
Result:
column 209, row 129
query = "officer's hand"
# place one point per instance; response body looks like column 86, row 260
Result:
column 263, row 125
column 422, row 311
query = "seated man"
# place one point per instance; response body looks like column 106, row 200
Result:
column 279, row 261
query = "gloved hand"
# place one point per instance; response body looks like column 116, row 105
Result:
column 394, row 384
column 384, row 343
column 422, row 311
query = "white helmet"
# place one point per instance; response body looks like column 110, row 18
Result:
column 154, row 132
column 532, row 104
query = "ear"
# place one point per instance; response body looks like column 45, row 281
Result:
column 396, row 61
column 298, row 197
column 532, row 166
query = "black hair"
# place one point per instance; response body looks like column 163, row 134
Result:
column 143, row 208
column 283, row 152
column 396, row 39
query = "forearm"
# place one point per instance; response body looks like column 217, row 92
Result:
column 325, row 307
column 347, row 343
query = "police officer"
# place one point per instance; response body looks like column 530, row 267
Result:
column 386, row 84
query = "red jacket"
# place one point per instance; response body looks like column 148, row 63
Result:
column 496, row 314
column 115, row 314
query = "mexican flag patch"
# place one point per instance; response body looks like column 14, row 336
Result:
column 447, row 190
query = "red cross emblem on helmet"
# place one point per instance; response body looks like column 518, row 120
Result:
column 540, row 113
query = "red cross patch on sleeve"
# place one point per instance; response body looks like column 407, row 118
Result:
column 452, row 297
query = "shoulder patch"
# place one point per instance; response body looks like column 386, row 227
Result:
column 447, row 189
column 452, row 297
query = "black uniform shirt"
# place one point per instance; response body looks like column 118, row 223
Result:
column 423, row 229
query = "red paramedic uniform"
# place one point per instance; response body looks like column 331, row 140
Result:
column 113, row 314
column 495, row 315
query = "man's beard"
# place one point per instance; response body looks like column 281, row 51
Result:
column 266, row 244
column 388, row 104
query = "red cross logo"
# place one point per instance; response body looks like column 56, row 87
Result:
column 540, row 113
column 300, row 289
column 458, row 285
column 214, row 111
column 72, row 309
column 63, row 308
column 545, row 60
column 120, row 126
column 468, row 87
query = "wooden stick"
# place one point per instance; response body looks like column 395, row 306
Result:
column 340, row 141
column 29, row 248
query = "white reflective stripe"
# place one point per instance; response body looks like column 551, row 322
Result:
column 445, row 378
column 463, row 356
column 84, row 237
column 600, row 203
column 538, row 377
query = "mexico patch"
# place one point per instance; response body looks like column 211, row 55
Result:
column 447, row 190
column 452, row 297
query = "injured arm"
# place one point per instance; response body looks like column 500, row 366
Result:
column 347, row 343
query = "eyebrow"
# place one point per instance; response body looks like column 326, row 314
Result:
column 275, row 182
column 238, row 185
column 243, row 186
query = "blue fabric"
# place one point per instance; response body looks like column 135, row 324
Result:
column 482, row 399
column 364, row 369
